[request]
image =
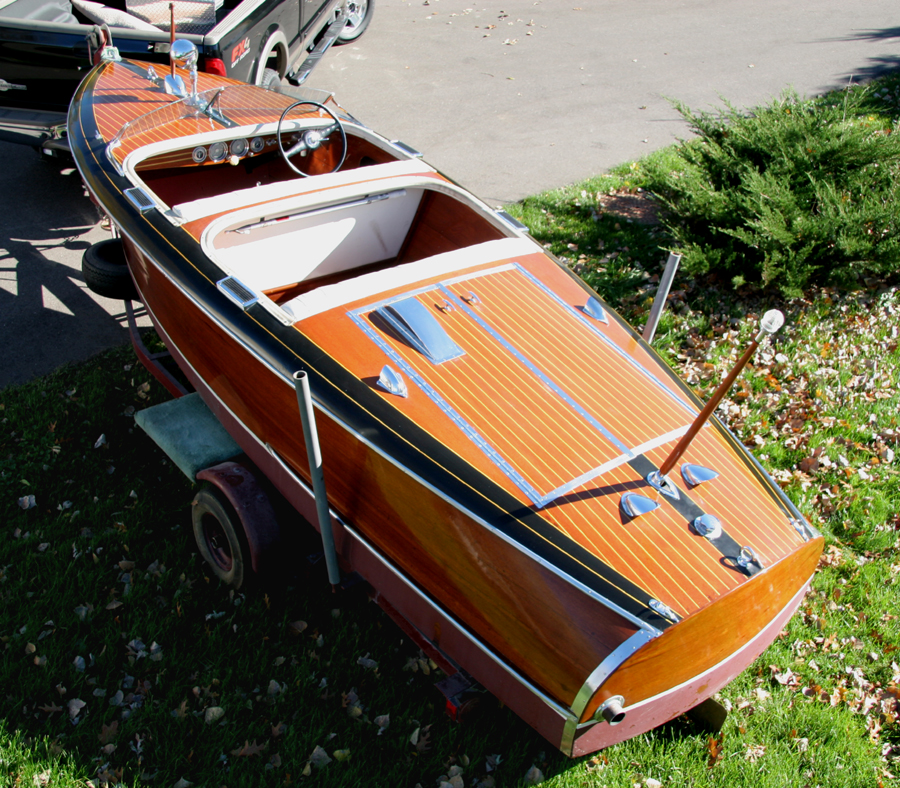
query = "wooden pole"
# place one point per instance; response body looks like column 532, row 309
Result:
column 770, row 323
column 707, row 411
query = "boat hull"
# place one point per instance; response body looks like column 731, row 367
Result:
column 651, row 666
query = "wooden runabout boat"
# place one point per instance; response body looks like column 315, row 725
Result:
column 491, row 433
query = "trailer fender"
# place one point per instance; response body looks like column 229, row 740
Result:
column 253, row 508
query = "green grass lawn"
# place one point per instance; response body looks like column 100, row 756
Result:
column 125, row 662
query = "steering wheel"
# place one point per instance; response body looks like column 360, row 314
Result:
column 310, row 139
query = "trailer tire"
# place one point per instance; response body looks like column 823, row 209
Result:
column 220, row 536
column 106, row 272
column 360, row 15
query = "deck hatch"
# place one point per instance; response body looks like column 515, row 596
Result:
column 419, row 328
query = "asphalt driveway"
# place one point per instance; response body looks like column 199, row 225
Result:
column 505, row 98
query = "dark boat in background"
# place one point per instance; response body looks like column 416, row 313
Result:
column 492, row 434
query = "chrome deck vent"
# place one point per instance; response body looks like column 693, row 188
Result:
column 594, row 309
column 415, row 324
column 238, row 292
column 635, row 505
column 392, row 381
column 697, row 474
column 140, row 199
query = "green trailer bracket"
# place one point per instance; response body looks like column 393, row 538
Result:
column 188, row 432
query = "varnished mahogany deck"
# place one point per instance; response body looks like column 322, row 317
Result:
column 546, row 403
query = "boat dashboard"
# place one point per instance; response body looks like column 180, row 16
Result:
column 230, row 151
column 222, row 162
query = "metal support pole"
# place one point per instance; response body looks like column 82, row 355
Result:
column 313, row 452
column 662, row 293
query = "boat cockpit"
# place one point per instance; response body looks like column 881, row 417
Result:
column 290, row 210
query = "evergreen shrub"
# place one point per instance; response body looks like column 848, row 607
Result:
column 793, row 193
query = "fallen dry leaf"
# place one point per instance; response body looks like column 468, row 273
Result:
column 249, row 750
column 108, row 732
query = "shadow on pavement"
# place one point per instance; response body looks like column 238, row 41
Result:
column 47, row 315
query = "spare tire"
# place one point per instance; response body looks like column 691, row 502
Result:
column 106, row 272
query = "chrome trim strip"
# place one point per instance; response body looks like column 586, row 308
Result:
column 600, row 674
column 475, row 641
column 611, row 662
column 286, row 379
column 497, row 269
column 660, row 440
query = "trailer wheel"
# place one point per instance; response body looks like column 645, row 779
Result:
column 220, row 536
column 106, row 272
column 360, row 15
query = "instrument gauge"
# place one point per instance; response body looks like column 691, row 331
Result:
column 218, row 151
column 257, row 144
column 199, row 154
column 239, row 148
